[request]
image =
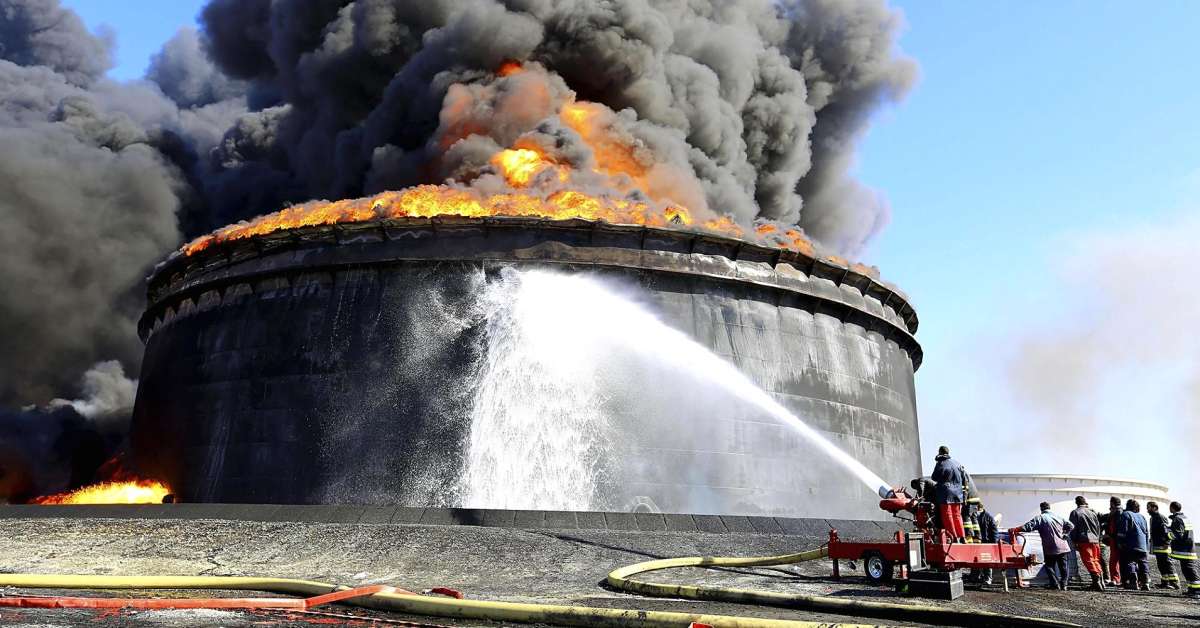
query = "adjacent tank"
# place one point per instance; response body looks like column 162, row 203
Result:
column 342, row 365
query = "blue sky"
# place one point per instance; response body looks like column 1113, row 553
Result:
column 1032, row 133
column 1035, row 132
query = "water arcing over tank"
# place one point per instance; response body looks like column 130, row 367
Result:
column 515, row 363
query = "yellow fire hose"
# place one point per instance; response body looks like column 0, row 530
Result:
column 578, row 615
column 622, row 579
column 420, row 605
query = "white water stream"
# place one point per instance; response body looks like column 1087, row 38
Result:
column 538, row 417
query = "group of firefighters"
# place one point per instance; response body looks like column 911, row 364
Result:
column 1114, row 546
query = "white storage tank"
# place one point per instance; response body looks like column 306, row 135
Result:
column 1017, row 495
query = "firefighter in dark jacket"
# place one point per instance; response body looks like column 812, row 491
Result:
column 970, row 509
column 1133, row 536
column 1085, row 533
column 1183, row 549
column 1160, row 546
column 987, row 534
column 949, row 476
column 1108, row 525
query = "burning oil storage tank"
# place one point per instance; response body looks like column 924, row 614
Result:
column 343, row 364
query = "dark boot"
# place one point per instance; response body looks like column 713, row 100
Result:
column 1097, row 585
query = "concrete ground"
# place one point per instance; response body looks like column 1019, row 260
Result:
column 562, row 566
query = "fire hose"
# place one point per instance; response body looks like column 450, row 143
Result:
column 413, row 604
column 623, row 579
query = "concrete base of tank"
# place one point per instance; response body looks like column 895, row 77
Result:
column 560, row 563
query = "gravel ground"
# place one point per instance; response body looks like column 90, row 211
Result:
column 563, row 567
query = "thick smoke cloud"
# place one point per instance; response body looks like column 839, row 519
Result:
column 63, row 444
column 42, row 33
column 93, row 176
column 186, row 75
column 748, row 108
column 86, row 206
column 759, row 103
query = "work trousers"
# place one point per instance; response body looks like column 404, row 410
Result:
column 951, row 518
column 1166, row 568
column 1191, row 574
column 1135, row 568
column 1114, row 562
column 1104, row 560
column 985, row 576
column 1089, row 555
column 1056, row 569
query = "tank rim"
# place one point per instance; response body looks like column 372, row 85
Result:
column 888, row 294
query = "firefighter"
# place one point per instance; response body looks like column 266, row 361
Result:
column 1133, row 535
column 1160, row 546
column 1108, row 524
column 948, row 474
column 988, row 533
column 924, row 487
column 970, row 508
column 1183, row 549
column 1085, row 533
column 1055, row 547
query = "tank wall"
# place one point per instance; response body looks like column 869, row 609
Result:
column 853, row 386
column 354, row 384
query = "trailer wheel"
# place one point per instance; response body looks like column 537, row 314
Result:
column 877, row 568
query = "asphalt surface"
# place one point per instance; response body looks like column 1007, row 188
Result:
column 562, row 566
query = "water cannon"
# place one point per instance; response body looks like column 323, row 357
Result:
column 896, row 500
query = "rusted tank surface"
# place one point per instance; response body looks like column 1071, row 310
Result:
column 342, row 364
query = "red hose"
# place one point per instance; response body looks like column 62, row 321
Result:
column 190, row 603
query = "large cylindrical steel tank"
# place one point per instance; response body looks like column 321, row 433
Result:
column 339, row 364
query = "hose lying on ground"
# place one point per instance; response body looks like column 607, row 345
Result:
column 417, row 604
column 622, row 579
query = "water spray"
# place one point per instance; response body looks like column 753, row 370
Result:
column 562, row 320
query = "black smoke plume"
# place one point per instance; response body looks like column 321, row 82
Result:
column 750, row 109
column 64, row 443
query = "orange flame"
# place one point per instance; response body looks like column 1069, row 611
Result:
column 427, row 201
column 130, row 492
column 613, row 157
column 521, row 165
column 619, row 163
column 510, row 67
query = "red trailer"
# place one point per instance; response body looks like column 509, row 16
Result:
column 927, row 549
